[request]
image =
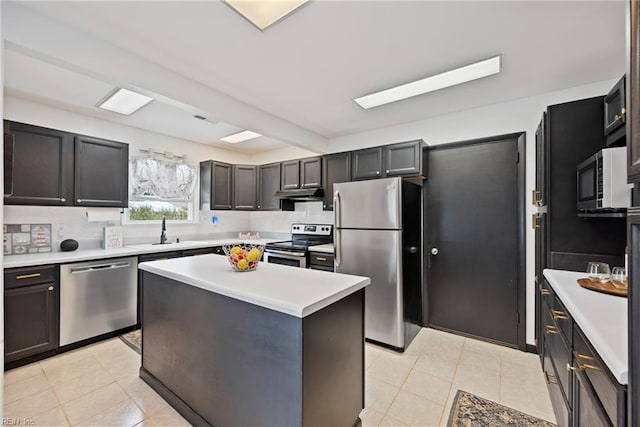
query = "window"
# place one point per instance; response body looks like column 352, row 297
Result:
column 162, row 187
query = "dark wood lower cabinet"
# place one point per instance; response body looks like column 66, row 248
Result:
column 587, row 409
column 31, row 312
column 560, row 407
column 583, row 391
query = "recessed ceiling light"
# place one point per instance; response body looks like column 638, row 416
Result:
column 245, row 135
column 439, row 81
column 263, row 13
column 124, row 101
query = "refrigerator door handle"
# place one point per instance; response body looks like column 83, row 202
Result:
column 336, row 209
column 337, row 259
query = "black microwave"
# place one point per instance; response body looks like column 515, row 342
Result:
column 602, row 181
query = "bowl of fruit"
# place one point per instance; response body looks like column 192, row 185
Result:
column 244, row 256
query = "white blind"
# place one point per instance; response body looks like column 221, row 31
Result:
column 161, row 179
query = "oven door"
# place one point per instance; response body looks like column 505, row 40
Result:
column 293, row 259
column 589, row 183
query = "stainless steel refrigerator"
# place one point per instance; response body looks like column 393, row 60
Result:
column 378, row 233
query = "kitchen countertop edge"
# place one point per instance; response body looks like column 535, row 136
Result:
column 293, row 291
column 32, row 260
column 602, row 318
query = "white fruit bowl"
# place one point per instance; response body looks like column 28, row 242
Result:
column 243, row 257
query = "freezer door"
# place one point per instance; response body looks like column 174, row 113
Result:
column 377, row 255
column 368, row 204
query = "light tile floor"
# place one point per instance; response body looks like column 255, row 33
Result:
column 417, row 387
column 98, row 385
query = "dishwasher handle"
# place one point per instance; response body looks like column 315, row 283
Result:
column 99, row 267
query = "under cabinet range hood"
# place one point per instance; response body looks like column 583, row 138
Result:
column 301, row 195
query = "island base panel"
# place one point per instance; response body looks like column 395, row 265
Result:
column 233, row 363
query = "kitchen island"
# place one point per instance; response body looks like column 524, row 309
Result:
column 278, row 346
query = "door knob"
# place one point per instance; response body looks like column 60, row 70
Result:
column 413, row 250
column 434, row 251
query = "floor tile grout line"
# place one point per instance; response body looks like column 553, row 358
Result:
column 452, row 379
column 55, row 395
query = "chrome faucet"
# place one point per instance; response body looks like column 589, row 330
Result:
column 163, row 235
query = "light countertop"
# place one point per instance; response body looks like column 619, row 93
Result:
column 601, row 317
column 27, row 260
column 328, row 248
column 295, row 291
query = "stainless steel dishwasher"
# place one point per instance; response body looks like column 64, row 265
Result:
column 97, row 297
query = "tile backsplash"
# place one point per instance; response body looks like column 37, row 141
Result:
column 72, row 223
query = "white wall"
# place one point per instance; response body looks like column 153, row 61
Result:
column 499, row 119
column 281, row 154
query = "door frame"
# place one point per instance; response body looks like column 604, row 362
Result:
column 521, row 285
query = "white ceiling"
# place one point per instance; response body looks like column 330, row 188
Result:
column 295, row 82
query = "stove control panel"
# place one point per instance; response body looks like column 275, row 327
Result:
column 312, row 229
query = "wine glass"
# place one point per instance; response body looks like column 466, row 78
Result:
column 619, row 277
column 599, row 271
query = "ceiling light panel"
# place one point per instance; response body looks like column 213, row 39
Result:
column 263, row 13
column 124, row 101
column 245, row 135
column 454, row 77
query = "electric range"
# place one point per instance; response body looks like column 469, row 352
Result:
column 295, row 252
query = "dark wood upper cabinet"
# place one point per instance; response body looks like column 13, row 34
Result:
column 290, row 175
column 7, row 146
column 268, row 184
column 614, row 107
column 403, row 159
column 311, row 172
column 615, row 114
column 101, row 172
column 336, row 168
column 57, row 168
column 42, row 166
column 215, row 185
column 244, row 187
column 31, row 311
column 366, row 164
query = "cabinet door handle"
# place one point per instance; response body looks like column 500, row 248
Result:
column 377, row 172
column 387, row 171
column 623, row 111
column 557, row 314
column 550, row 329
column 27, row 276
column 321, row 258
column 550, row 378
column 62, row 199
column 545, row 292
column 616, row 118
column 79, row 201
column 50, row 288
column 570, row 368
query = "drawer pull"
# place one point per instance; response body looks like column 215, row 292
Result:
column 551, row 329
column 545, row 292
column 557, row 314
column 62, row 199
column 79, row 201
column 570, row 368
column 585, row 366
column 27, row 276
column 50, row 288
column 321, row 258
column 550, row 378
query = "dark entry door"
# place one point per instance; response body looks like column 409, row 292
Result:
column 474, row 218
